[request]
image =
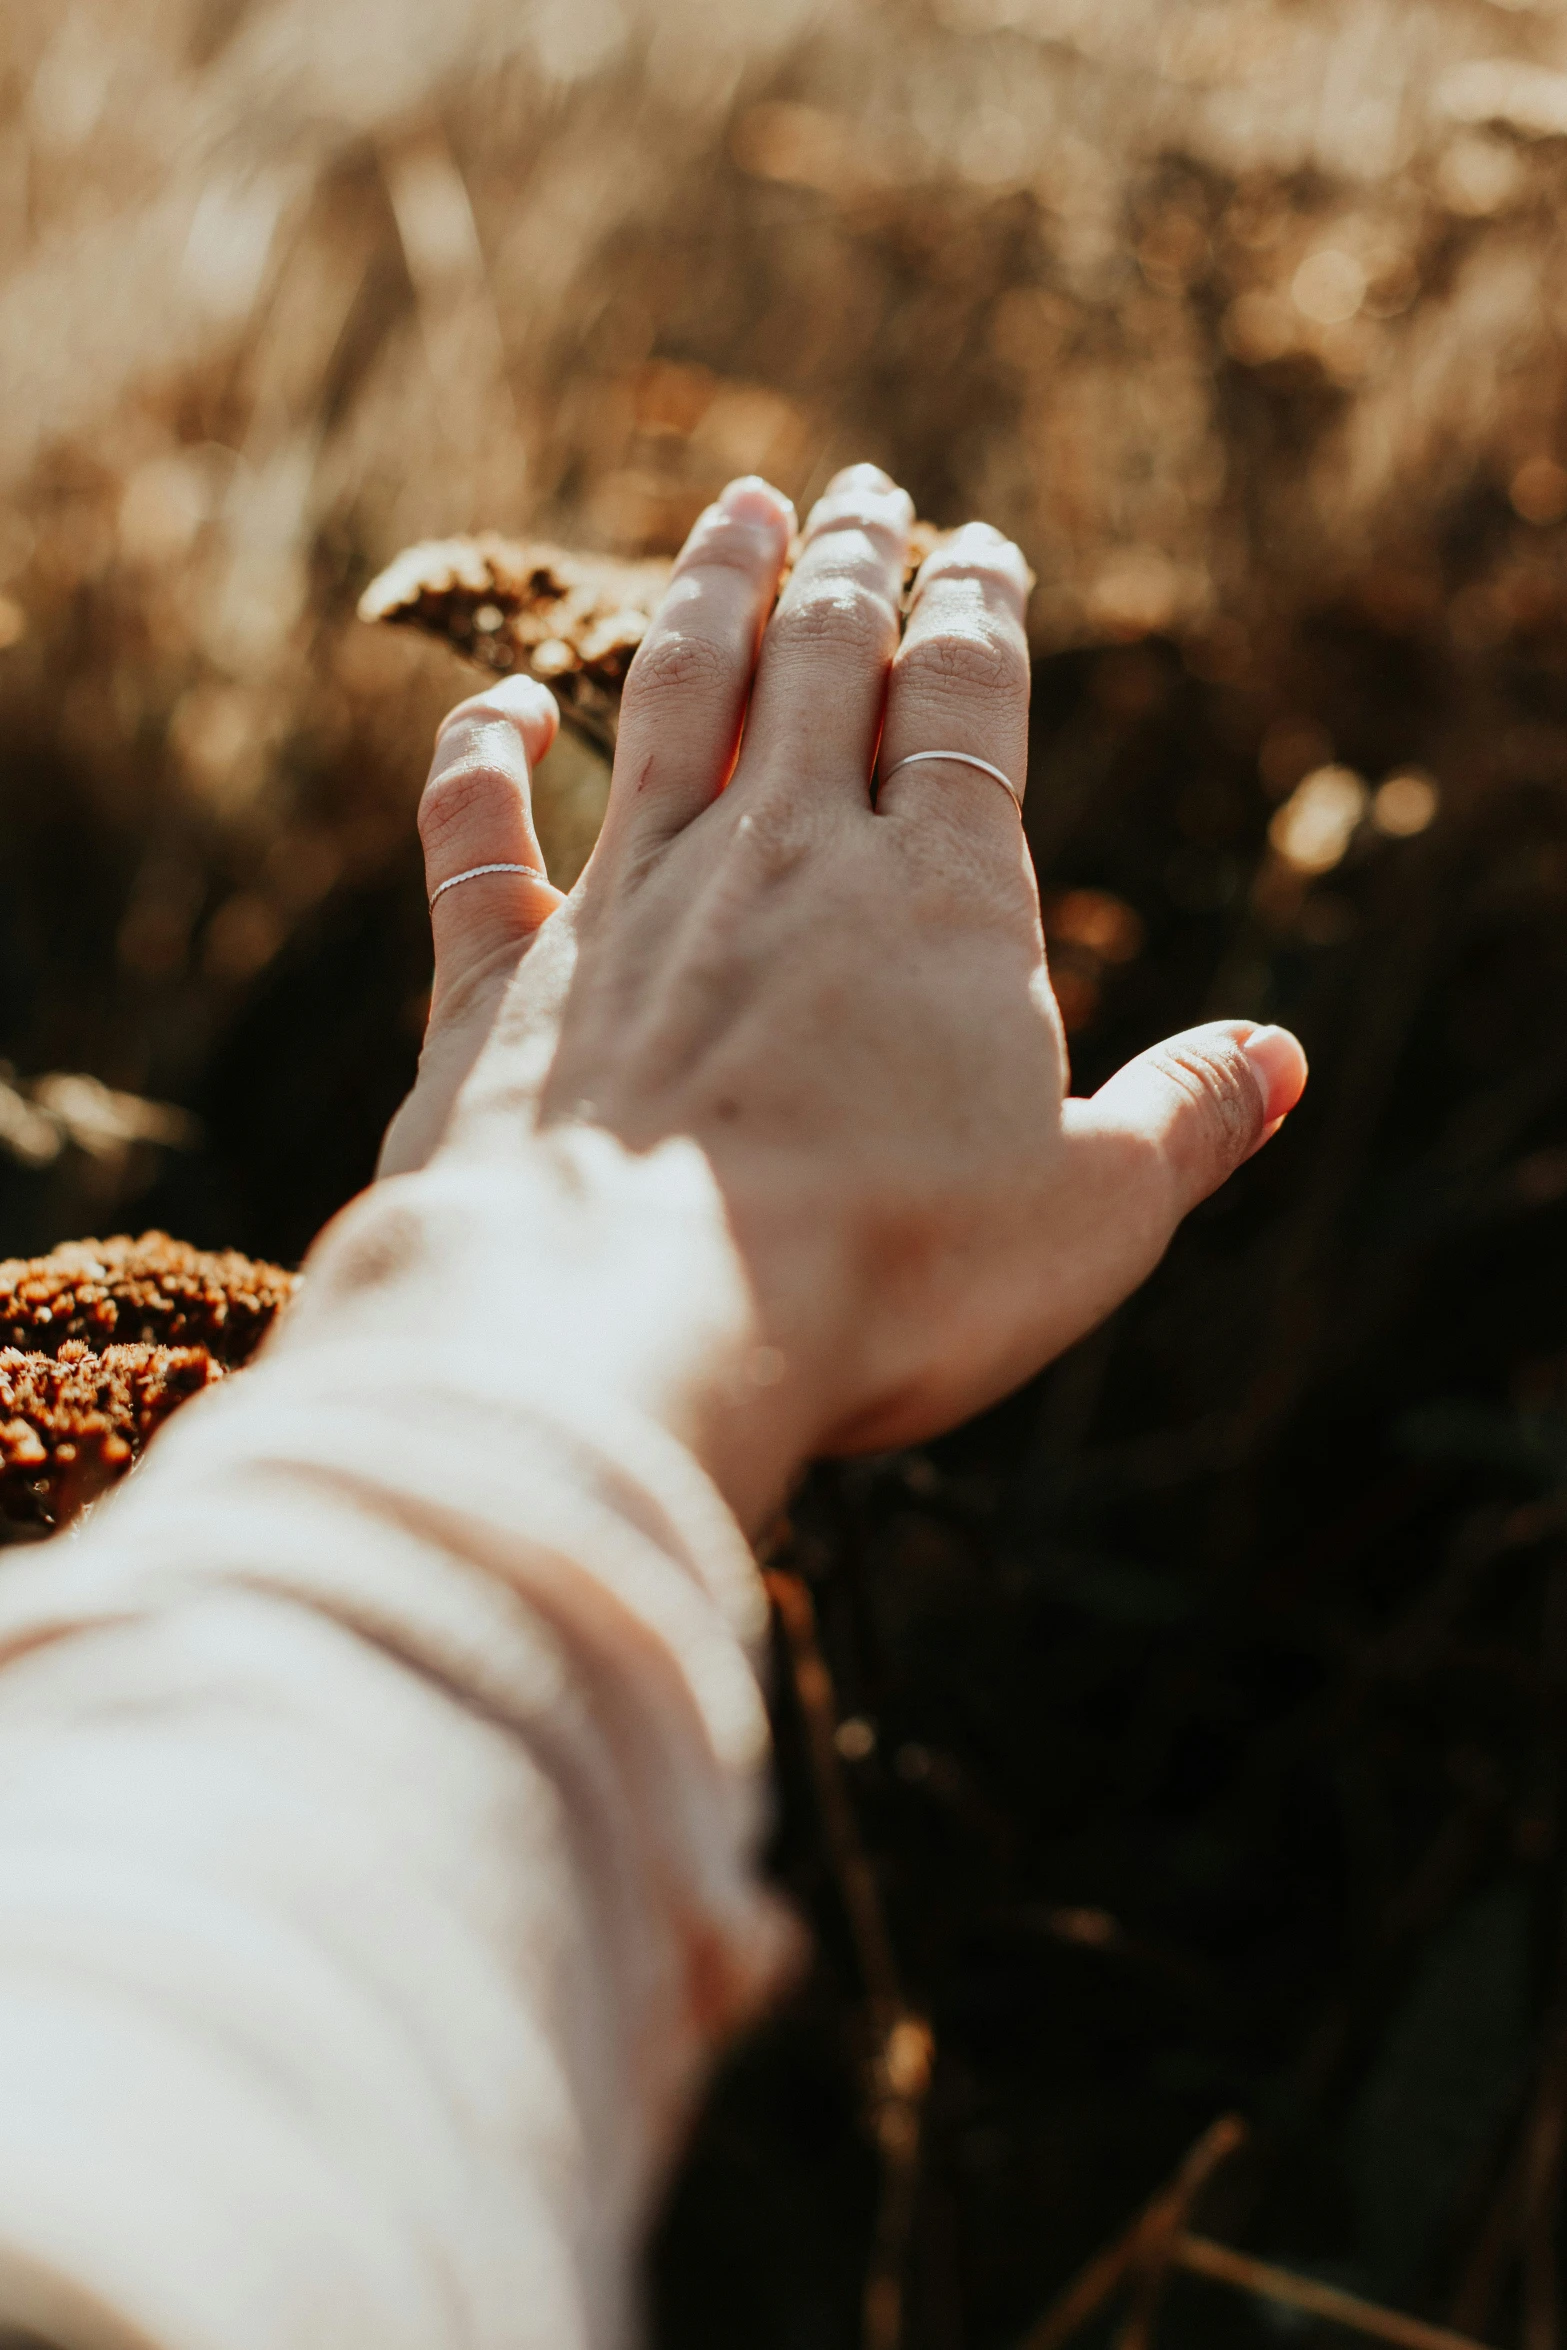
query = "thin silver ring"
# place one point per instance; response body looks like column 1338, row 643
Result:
column 960, row 759
column 475, row 872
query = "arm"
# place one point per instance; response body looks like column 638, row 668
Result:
column 379, row 1774
column 378, row 1784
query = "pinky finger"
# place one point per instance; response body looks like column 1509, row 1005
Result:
column 484, row 869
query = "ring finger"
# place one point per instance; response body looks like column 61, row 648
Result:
column 959, row 686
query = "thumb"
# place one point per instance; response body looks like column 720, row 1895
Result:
column 1179, row 1120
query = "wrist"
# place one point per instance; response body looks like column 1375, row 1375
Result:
column 577, row 1260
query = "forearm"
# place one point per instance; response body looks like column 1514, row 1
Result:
column 378, row 1781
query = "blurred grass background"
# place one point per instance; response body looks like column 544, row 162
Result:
column 1205, row 1701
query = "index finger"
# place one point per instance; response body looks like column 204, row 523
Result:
column 686, row 694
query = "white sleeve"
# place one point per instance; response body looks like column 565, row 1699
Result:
column 378, row 1793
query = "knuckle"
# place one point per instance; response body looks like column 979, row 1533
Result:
column 773, row 836
column 778, row 833
column 513, row 702
column 962, row 664
column 838, row 613
column 996, row 567
column 732, row 542
column 864, row 509
column 674, row 663
column 1218, row 1084
column 464, row 799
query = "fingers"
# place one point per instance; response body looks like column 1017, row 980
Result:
column 477, row 810
column 686, row 693
column 1172, row 1126
column 960, row 683
column 821, row 681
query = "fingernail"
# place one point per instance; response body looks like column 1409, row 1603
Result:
column 978, row 534
column 1278, row 1063
column 751, row 499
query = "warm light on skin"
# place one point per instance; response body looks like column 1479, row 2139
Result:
column 817, row 1183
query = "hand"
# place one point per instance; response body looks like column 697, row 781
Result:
column 831, row 1009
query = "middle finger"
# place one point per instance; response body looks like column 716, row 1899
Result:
column 817, row 703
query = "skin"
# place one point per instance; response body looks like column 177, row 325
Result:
column 781, row 1087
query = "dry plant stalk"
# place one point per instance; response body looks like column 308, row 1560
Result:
column 1146, row 2245
column 1541, row 2211
column 902, row 2051
column 1225, row 2266
column 1159, row 2241
column 573, row 621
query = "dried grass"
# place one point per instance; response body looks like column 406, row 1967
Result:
column 286, row 287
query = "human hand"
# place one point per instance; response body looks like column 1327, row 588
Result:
column 833, row 1007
